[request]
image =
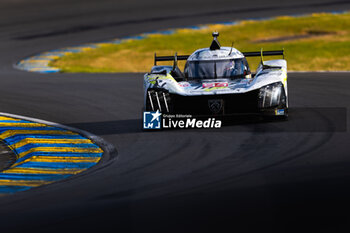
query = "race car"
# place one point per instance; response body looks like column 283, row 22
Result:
column 217, row 81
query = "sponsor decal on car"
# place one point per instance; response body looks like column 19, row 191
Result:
column 184, row 84
column 279, row 112
column 216, row 84
column 221, row 84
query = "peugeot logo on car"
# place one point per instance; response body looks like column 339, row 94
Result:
column 215, row 105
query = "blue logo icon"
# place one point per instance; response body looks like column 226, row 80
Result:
column 279, row 112
column 151, row 120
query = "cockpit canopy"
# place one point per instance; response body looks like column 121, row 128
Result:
column 222, row 62
column 223, row 68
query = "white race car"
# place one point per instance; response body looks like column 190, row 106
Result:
column 217, row 81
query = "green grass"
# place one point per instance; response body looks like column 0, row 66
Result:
column 327, row 46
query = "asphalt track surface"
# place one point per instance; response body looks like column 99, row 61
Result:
column 289, row 176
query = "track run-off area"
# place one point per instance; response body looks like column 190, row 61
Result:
column 44, row 62
column 273, row 176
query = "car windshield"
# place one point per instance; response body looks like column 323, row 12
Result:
column 216, row 68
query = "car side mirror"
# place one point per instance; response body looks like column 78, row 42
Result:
column 247, row 73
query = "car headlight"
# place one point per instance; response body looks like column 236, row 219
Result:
column 271, row 95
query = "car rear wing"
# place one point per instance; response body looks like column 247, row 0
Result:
column 246, row 54
column 264, row 53
column 169, row 58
